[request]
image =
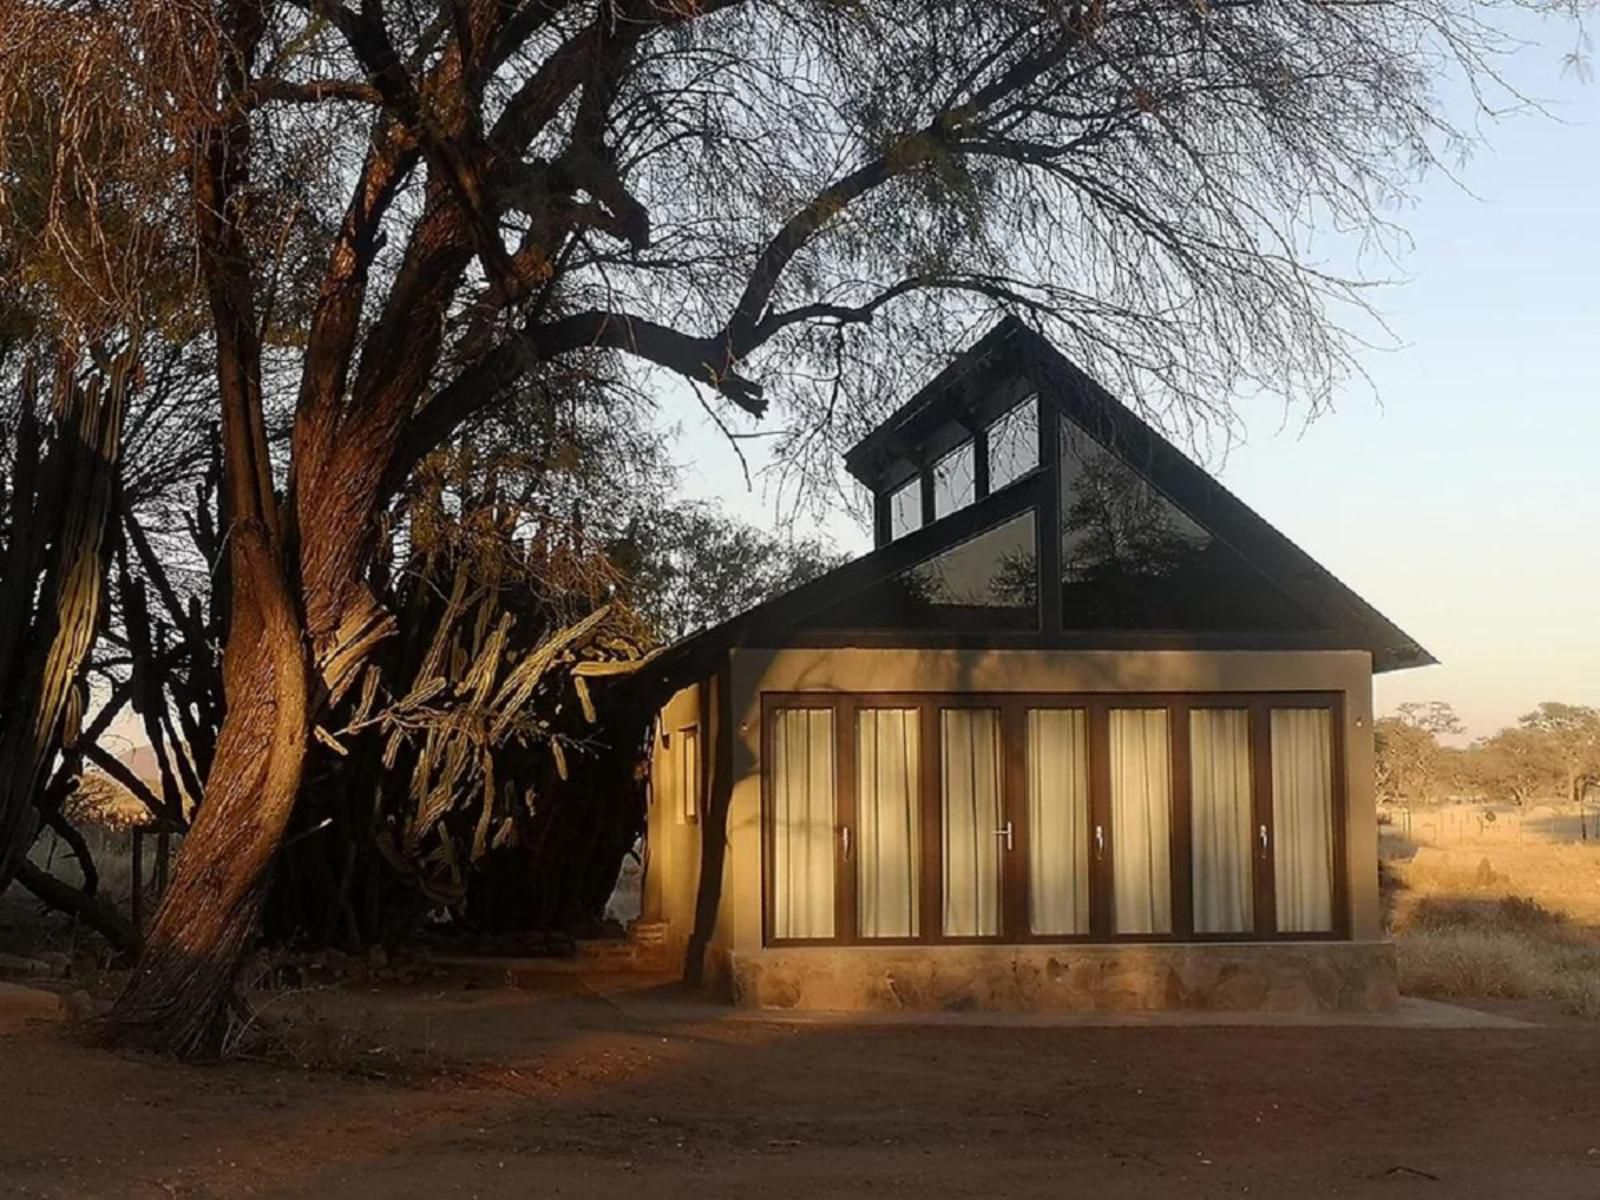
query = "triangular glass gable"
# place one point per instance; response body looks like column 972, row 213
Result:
column 1133, row 560
column 988, row 583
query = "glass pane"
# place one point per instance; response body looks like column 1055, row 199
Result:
column 1014, row 444
column 1132, row 559
column 1302, row 818
column 890, row 840
column 989, row 582
column 905, row 508
column 1058, row 821
column 1141, row 819
column 969, row 740
column 689, row 772
column 802, row 823
column 1219, row 811
column 955, row 481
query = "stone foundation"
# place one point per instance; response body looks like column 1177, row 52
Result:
column 1261, row 976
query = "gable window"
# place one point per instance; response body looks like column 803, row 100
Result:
column 1048, row 818
column 1132, row 559
column 1014, row 444
column 905, row 508
column 988, row 582
column 955, row 481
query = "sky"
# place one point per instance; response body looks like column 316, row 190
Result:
column 1459, row 493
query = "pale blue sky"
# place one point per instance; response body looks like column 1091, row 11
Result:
column 1464, row 500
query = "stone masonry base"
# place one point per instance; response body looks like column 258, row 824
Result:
column 1260, row 977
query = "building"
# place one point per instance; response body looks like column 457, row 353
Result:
column 1081, row 732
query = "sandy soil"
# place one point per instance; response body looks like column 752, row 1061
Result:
column 440, row 1090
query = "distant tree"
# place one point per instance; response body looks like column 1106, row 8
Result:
column 1437, row 717
column 690, row 566
column 1572, row 740
column 1410, row 761
column 1517, row 762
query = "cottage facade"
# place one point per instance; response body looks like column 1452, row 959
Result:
column 1081, row 732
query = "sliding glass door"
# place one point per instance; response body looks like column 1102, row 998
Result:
column 1058, row 821
column 1302, row 819
column 888, row 814
column 925, row 818
column 804, row 815
column 972, row 821
column 1220, row 799
column 1141, row 820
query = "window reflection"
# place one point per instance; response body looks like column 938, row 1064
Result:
column 988, row 582
column 1014, row 444
column 1132, row 559
column 955, row 481
column 905, row 509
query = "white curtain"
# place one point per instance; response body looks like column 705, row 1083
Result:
column 1058, row 821
column 970, row 810
column 888, row 822
column 1219, row 806
column 802, row 823
column 1302, row 818
column 1141, row 820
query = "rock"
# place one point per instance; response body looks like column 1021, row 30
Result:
column 377, row 958
column 80, row 1005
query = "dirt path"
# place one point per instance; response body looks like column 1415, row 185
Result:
column 495, row 1093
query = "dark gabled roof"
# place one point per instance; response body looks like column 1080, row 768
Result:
column 1010, row 348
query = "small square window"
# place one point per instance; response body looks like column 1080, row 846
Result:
column 905, row 509
column 955, row 482
column 1014, row 444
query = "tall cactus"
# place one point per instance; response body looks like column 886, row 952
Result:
column 56, row 533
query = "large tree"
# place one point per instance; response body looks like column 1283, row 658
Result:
column 404, row 210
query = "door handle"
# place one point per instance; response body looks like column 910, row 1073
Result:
column 844, row 832
column 1005, row 833
column 1099, row 842
column 1262, row 834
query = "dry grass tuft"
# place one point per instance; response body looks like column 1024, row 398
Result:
column 1510, row 949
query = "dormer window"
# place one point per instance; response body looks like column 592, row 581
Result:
column 1014, row 444
column 955, row 481
column 905, row 509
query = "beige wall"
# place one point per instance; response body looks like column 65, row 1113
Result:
column 672, row 871
column 753, row 672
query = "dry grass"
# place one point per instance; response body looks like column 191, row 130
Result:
column 1499, row 922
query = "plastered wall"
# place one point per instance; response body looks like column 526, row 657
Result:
column 671, row 891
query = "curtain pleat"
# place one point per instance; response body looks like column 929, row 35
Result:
column 1219, row 806
column 887, row 747
column 970, row 808
column 1058, row 821
column 803, row 823
column 1302, row 818
column 1141, row 819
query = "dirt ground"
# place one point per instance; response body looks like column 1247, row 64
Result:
column 571, row 1089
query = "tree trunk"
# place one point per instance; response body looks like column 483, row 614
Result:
column 181, row 999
